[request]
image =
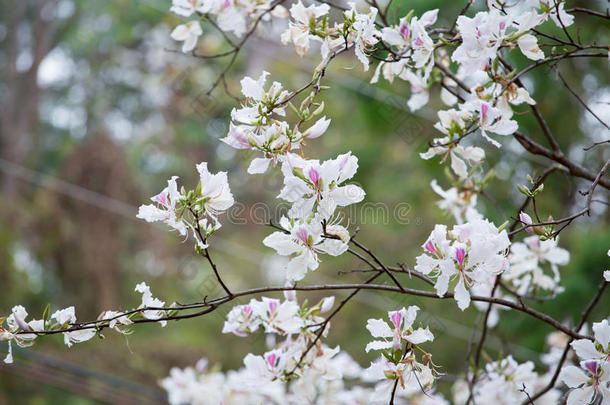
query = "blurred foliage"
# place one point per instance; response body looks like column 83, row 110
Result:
column 93, row 95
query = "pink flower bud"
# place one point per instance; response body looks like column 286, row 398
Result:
column 526, row 220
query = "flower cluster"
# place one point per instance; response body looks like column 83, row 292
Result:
column 472, row 253
column 325, row 375
column 315, row 190
column 506, row 382
column 591, row 380
column 258, row 125
column 526, row 259
column 196, row 210
column 400, row 348
column 236, row 16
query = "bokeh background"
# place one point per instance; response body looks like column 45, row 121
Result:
column 98, row 110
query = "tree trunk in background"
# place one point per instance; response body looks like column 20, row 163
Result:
column 26, row 30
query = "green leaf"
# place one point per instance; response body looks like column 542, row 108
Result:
column 45, row 314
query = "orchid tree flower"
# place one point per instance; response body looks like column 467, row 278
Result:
column 187, row 33
column 587, row 383
column 459, row 203
column 474, row 254
column 165, row 208
column 302, row 241
column 67, row 316
column 309, row 184
column 526, row 263
column 402, row 330
column 149, row 301
column 278, row 317
column 304, row 21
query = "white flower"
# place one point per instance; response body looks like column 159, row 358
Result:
column 267, row 367
column 529, row 47
column 215, row 190
column 116, row 318
column 598, row 350
column 188, row 33
column 551, row 8
column 585, row 387
column 302, row 242
column 492, row 119
column 241, row 320
column 67, row 316
column 475, row 256
column 526, row 260
column 461, row 157
column 460, row 204
column 165, row 208
column 413, row 377
column 318, row 129
column 149, row 301
column 365, row 33
column 186, row 8
column 304, row 18
column 64, row 316
column 506, row 382
column 307, row 183
column 278, row 318
column 482, row 36
column 402, row 322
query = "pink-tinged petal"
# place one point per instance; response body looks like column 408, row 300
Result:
column 526, row 220
column 396, row 318
column 404, row 31
column 272, row 306
column 429, row 246
column 484, row 109
column 591, row 365
column 314, row 176
column 271, row 358
column 236, row 138
column 460, row 255
column 162, row 198
column 302, row 235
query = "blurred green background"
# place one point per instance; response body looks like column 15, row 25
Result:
column 97, row 111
